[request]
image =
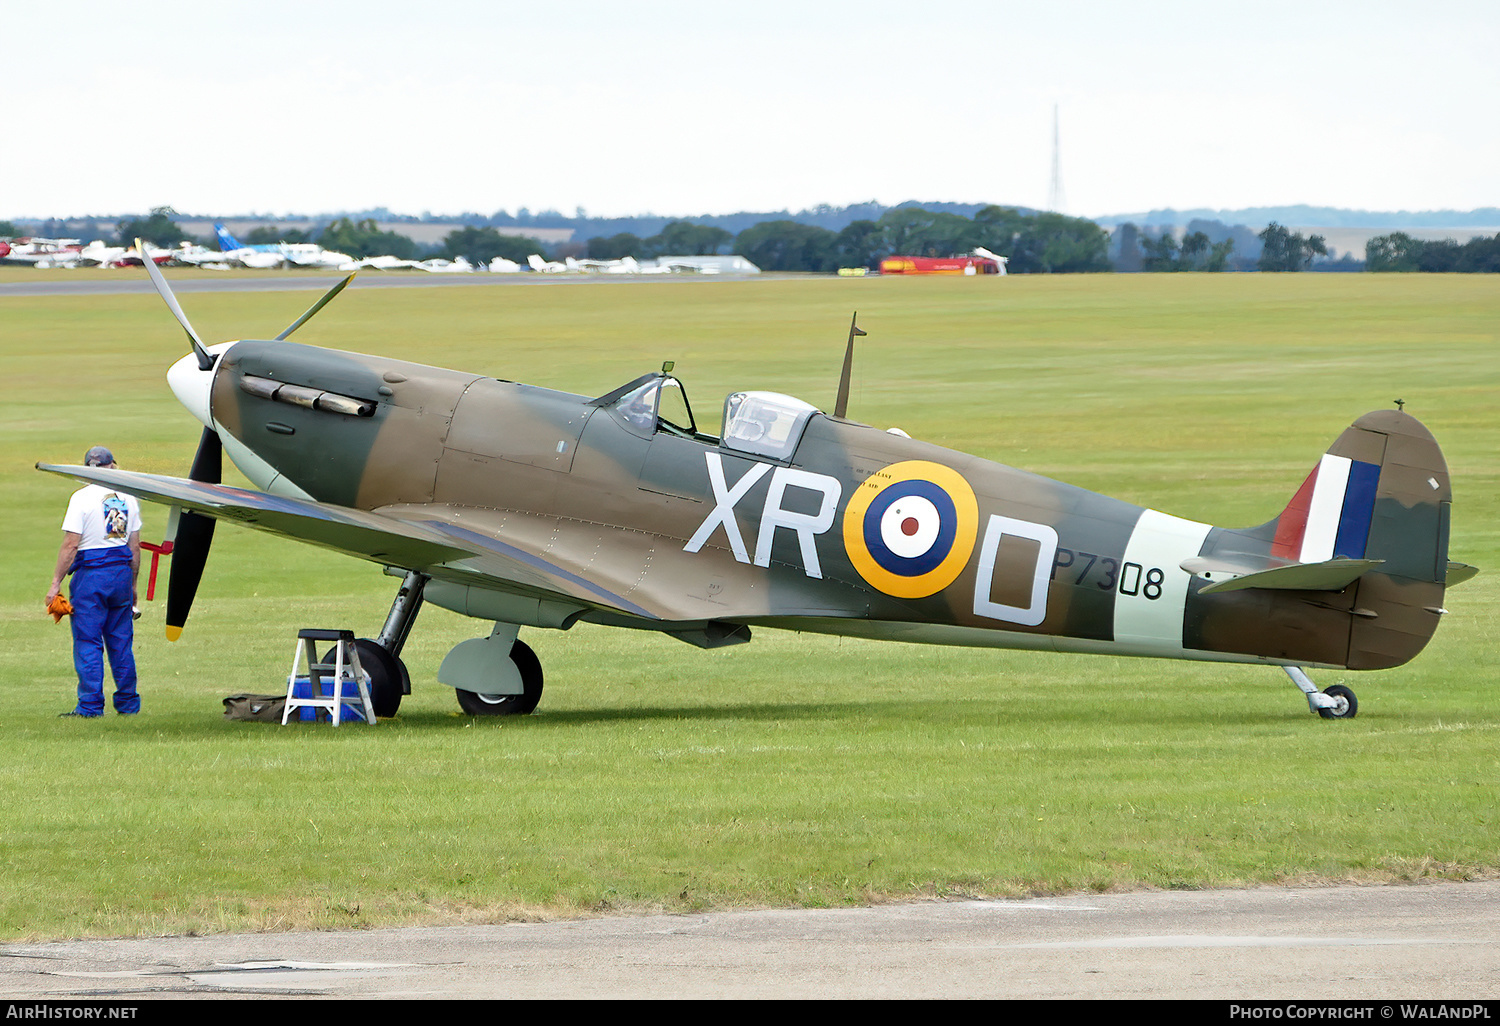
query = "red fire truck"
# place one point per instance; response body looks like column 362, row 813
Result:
column 940, row 265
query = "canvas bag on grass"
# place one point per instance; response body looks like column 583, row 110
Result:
column 266, row 708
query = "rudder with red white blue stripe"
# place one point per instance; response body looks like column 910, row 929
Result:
column 1331, row 514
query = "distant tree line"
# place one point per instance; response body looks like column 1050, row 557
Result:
column 1285, row 250
column 361, row 239
column 1214, row 246
column 1206, row 246
column 358, row 238
column 1196, row 253
column 158, row 228
column 270, row 235
column 647, row 226
column 481, row 245
column 1032, row 243
column 1334, row 217
column 1400, row 252
column 678, row 238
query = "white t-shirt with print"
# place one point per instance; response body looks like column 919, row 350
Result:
column 101, row 517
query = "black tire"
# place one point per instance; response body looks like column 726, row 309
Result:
column 508, row 705
column 388, row 679
column 1344, row 711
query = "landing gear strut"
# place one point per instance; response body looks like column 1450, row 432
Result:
column 1334, row 703
column 381, row 657
column 387, row 677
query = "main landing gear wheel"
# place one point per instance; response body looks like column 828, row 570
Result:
column 388, row 679
column 1347, row 705
column 507, row 705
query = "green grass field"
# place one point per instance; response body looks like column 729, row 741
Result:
column 798, row 770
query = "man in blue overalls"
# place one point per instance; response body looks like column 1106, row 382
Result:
column 102, row 550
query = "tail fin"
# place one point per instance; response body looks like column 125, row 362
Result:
column 1380, row 492
column 1352, row 572
column 227, row 242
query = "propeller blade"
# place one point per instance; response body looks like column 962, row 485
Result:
column 208, row 461
column 195, row 534
column 205, row 361
column 316, row 307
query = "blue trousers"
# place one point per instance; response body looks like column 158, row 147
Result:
column 101, row 597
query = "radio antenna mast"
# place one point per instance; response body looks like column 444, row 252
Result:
column 1055, row 199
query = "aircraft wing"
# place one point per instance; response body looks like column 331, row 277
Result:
column 406, row 539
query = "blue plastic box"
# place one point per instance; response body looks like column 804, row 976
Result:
column 302, row 688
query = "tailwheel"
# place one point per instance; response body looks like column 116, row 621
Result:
column 1333, row 703
column 530, row 667
column 1344, row 707
column 388, row 679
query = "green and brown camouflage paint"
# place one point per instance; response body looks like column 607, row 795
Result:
column 587, row 493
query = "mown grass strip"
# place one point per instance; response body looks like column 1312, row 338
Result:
column 799, row 770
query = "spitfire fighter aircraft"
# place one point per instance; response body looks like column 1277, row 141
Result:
column 528, row 507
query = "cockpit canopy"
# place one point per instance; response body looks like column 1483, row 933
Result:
column 761, row 423
column 765, row 423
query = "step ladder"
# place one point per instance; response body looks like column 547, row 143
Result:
column 350, row 683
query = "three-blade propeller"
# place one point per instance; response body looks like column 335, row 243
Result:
column 195, row 532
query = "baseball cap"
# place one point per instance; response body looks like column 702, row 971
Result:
column 98, row 456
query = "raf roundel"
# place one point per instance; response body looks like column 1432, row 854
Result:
column 910, row 528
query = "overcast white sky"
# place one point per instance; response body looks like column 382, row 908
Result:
column 681, row 108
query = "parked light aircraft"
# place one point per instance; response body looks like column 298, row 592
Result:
column 310, row 254
column 275, row 254
column 536, row 263
column 436, row 265
column 42, row 252
column 528, row 507
column 624, row 265
column 231, row 251
column 98, row 254
column 228, row 243
column 230, row 254
column 382, row 263
column 201, row 256
column 69, row 253
column 573, row 265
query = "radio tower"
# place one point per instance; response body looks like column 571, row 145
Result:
column 1055, row 194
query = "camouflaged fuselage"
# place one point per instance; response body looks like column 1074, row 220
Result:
column 856, row 531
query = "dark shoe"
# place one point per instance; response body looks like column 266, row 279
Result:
column 81, row 716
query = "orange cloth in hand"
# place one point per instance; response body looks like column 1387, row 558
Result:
column 59, row 607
